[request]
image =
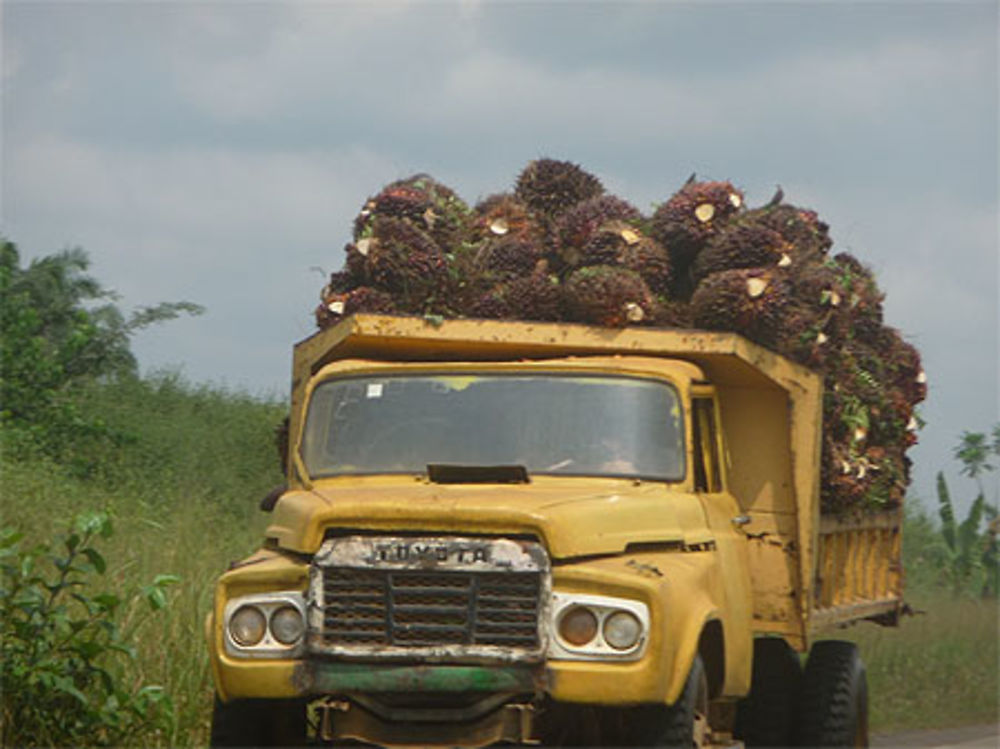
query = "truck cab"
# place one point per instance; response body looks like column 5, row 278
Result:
column 523, row 533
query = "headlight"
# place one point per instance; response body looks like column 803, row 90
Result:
column 597, row 627
column 265, row 625
column 248, row 626
column 578, row 625
column 622, row 630
column 287, row 625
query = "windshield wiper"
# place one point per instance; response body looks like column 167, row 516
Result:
column 453, row 473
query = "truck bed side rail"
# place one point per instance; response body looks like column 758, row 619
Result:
column 858, row 571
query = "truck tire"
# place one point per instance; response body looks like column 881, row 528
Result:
column 678, row 726
column 258, row 723
column 833, row 705
column 766, row 717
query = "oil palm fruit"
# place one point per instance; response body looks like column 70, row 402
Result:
column 508, row 257
column 749, row 301
column 404, row 261
column 362, row 299
column 423, row 202
column 550, row 187
column 744, row 243
column 692, row 215
column 619, row 243
column 610, row 296
column 534, row 297
column 579, row 224
column 800, row 226
column 504, row 216
column 862, row 295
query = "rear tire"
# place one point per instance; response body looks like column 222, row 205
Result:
column 766, row 717
column 258, row 723
column 833, row 709
column 676, row 726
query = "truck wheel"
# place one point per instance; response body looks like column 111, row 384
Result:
column 767, row 716
column 258, row 723
column 679, row 726
column 833, row 706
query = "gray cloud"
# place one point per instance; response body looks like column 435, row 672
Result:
column 218, row 152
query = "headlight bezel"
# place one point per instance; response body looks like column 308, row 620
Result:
column 603, row 607
column 268, row 604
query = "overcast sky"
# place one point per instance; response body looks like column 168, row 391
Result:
column 217, row 152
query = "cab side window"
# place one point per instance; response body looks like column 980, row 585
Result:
column 707, row 476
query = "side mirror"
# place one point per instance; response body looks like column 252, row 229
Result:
column 267, row 504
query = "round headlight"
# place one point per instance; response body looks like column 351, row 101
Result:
column 287, row 625
column 578, row 626
column 622, row 630
column 247, row 626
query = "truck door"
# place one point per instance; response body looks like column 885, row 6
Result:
column 721, row 508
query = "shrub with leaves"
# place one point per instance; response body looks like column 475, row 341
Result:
column 64, row 658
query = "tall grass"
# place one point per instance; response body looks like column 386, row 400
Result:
column 183, row 487
column 937, row 669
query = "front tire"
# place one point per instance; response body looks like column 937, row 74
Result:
column 833, row 710
column 258, row 723
column 679, row 726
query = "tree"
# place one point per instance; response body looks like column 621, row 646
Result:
column 59, row 327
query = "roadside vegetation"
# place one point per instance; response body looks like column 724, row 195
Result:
column 123, row 497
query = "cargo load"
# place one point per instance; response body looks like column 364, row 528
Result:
column 559, row 248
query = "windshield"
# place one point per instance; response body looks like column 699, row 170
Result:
column 548, row 423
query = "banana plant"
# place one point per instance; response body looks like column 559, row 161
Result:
column 972, row 555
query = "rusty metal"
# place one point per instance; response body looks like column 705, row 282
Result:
column 434, row 598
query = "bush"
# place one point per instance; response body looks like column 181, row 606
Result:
column 64, row 659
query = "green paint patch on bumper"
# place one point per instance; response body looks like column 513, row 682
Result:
column 320, row 677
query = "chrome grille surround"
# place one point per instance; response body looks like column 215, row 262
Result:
column 440, row 599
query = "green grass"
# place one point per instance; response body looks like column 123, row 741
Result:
column 183, row 488
column 937, row 669
column 183, row 491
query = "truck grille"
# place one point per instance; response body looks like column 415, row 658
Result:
column 439, row 598
column 415, row 608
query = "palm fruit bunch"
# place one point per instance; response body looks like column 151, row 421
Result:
column 743, row 244
column 549, row 187
column 360, row 299
column 578, row 224
column 688, row 219
column 504, row 216
column 534, row 297
column 621, row 244
column 559, row 248
column 609, row 295
column 420, row 201
column 800, row 226
column 751, row 301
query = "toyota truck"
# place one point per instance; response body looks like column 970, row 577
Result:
column 538, row 533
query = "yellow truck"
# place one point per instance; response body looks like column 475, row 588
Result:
column 512, row 532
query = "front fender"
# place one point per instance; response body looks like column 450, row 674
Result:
column 264, row 571
column 677, row 588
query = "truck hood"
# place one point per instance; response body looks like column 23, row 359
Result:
column 572, row 516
